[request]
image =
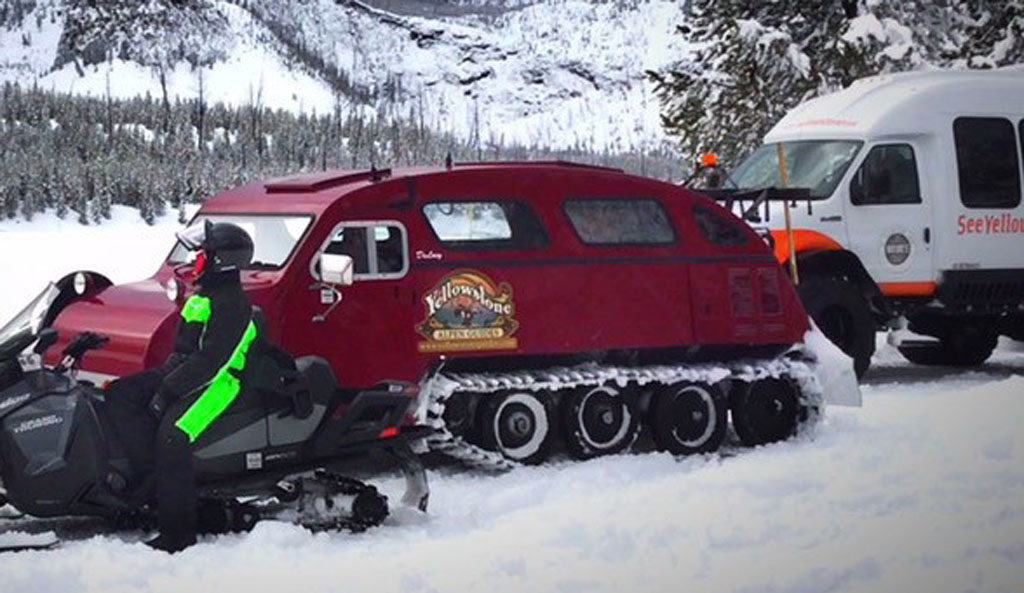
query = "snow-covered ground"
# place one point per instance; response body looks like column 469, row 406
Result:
column 922, row 489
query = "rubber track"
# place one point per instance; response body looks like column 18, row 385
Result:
column 443, row 385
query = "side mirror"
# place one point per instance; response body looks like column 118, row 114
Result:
column 46, row 338
column 336, row 269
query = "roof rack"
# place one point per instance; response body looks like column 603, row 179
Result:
column 315, row 182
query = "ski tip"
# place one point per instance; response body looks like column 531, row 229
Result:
column 18, row 541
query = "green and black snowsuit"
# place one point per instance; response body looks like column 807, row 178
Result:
column 198, row 382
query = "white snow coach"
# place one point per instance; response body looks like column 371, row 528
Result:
column 912, row 216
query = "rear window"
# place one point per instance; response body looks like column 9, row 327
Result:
column 717, row 229
column 987, row 161
column 620, row 221
column 485, row 224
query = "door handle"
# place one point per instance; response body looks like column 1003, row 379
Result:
column 835, row 218
column 927, row 235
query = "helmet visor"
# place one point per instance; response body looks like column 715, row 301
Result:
column 192, row 237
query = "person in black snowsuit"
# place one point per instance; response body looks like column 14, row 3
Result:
column 160, row 412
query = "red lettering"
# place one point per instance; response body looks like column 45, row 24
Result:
column 961, row 226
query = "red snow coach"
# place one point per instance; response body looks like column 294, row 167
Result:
column 536, row 305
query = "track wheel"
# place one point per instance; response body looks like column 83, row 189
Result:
column 598, row 421
column 765, row 411
column 688, row 418
column 517, row 424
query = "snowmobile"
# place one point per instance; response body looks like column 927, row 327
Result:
column 276, row 453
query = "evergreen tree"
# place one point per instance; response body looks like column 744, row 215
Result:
column 752, row 62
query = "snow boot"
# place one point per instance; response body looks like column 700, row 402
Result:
column 172, row 542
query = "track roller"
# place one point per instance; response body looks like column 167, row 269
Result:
column 688, row 418
column 519, row 425
column 765, row 411
column 596, row 421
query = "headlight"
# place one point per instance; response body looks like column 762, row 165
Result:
column 80, row 283
column 171, row 289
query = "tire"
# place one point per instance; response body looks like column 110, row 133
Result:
column 688, row 418
column 841, row 312
column 963, row 347
column 519, row 425
column 598, row 421
column 765, row 411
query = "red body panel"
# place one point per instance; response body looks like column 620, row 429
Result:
column 567, row 297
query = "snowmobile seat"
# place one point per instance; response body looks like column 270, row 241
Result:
column 274, row 374
column 320, row 377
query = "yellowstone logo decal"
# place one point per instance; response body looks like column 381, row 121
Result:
column 468, row 311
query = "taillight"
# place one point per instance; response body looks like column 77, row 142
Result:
column 389, row 432
column 771, row 294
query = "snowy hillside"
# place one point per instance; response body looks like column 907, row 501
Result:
column 559, row 73
column 922, row 489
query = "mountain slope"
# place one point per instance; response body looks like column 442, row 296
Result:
column 559, row 74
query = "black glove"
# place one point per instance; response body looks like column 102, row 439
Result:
column 83, row 343
column 158, row 404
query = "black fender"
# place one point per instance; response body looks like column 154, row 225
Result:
column 841, row 264
column 94, row 284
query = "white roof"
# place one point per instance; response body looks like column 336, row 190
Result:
column 908, row 103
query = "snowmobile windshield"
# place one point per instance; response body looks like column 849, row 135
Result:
column 274, row 237
column 22, row 330
column 816, row 165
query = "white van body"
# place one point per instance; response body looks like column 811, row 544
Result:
column 920, row 176
column 916, row 109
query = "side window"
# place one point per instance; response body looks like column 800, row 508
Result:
column 620, row 221
column 717, row 229
column 987, row 160
column 378, row 250
column 485, row 225
column 888, row 175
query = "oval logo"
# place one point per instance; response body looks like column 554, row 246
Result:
column 897, row 248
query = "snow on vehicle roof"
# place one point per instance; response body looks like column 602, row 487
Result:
column 908, row 103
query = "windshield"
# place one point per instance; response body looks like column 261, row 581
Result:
column 28, row 323
column 817, row 165
column 274, row 237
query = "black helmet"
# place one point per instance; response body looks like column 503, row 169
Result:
column 223, row 246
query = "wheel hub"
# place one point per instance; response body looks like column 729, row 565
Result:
column 602, row 417
column 520, row 424
column 691, row 417
column 517, row 426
